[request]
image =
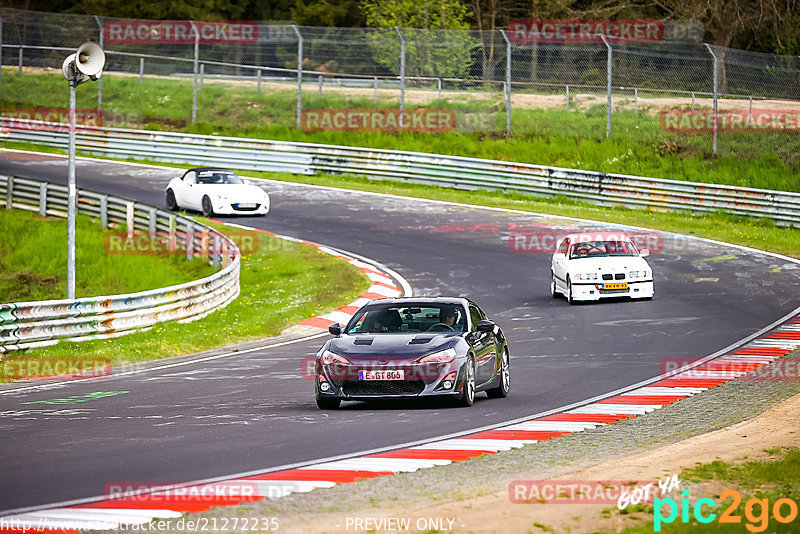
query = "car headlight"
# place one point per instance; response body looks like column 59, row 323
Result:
column 443, row 356
column 638, row 274
column 328, row 358
column 586, row 276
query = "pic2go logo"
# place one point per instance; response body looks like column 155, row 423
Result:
column 756, row 511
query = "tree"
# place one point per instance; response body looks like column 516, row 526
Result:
column 431, row 50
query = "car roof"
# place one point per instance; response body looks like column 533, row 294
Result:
column 406, row 301
column 603, row 235
column 200, row 169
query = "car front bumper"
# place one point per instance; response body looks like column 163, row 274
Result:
column 591, row 291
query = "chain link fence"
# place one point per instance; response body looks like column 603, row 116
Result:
column 341, row 79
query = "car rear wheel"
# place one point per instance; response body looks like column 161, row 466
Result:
column 501, row 391
column 328, row 403
column 553, row 289
column 467, row 396
column 208, row 208
column 172, row 205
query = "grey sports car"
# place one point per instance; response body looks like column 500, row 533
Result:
column 413, row 347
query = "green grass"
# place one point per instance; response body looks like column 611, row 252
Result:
column 771, row 479
column 573, row 139
column 282, row 283
column 33, row 261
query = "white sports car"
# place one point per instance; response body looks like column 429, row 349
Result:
column 216, row 191
column 596, row 265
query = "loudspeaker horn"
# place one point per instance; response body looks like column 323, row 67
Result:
column 90, row 59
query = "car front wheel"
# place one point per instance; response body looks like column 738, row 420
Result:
column 553, row 289
column 467, row 396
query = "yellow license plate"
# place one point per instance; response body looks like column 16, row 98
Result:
column 616, row 285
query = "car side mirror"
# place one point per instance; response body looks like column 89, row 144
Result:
column 644, row 252
column 485, row 326
column 335, row 329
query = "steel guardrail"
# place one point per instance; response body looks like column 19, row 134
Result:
column 26, row 325
column 449, row 171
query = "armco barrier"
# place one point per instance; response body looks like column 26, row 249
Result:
column 450, row 171
column 37, row 324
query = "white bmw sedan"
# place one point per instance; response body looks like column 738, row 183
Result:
column 216, row 191
column 597, row 265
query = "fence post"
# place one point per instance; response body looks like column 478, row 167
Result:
column 508, row 82
column 43, row 199
column 402, row 74
column 635, row 102
column 258, row 82
column 750, row 113
column 608, row 87
column 130, row 221
column 189, row 241
column 172, row 238
column 439, row 88
column 9, row 192
column 202, row 74
column 104, row 212
column 567, row 97
column 716, row 82
column 319, row 95
column 141, row 68
column 100, row 79
column 692, row 101
column 299, row 73
column 376, row 91
column 196, row 64
column 151, row 223
column 20, row 60
column 215, row 256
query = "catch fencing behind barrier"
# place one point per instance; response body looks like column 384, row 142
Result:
column 42, row 323
column 418, row 167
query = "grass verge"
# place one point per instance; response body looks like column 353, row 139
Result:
column 282, row 283
column 33, row 259
column 744, row 493
column 575, row 139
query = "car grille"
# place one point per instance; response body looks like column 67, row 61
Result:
column 618, row 276
column 383, row 387
column 612, row 291
column 237, row 208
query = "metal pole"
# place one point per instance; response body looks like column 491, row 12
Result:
column 567, row 97
column 376, row 91
column 141, row 69
column 750, row 113
column 1, row 53
column 196, row 64
column 608, row 87
column 635, row 102
column 692, row 102
column 299, row 73
column 319, row 95
column 100, row 80
column 402, row 74
column 72, row 193
column 20, row 60
column 508, row 82
column 716, row 85
column 258, row 82
column 439, row 88
column 202, row 74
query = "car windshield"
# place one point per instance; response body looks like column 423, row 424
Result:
column 218, row 177
column 595, row 249
column 426, row 317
